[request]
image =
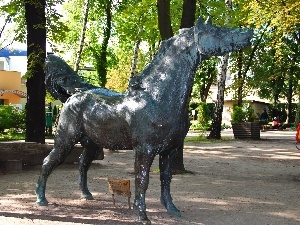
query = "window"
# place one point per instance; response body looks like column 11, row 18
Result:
column 1, row 65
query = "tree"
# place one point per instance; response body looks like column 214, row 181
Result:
column 164, row 19
column 30, row 23
column 82, row 36
column 215, row 132
column 205, row 77
column 166, row 32
column 101, row 56
column 36, row 54
column 242, row 61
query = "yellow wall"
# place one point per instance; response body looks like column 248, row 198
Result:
column 10, row 80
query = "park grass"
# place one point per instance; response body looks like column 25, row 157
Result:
column 203, row 138
column 11, row 136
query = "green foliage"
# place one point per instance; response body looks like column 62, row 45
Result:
column 243, row 113
column 14, row 12
column 204, row 114
column 205, row 76
column 11, row 135
column 201, row 137
column 200, row 126
column 98, row 63
column 35, row 60
column 11, row 118
column 238, row 115
column 297, row 115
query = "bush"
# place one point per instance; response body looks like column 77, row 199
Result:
column 243, row 113
column 11, row 118
column 238, row 115
column 204, row 116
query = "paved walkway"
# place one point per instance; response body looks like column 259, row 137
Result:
column 269, row 134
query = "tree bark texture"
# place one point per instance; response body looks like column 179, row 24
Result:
column 164, row 19
column 240, row 78
column 82, row 37
column 135, row 54
column 187, row 21
column 102, row 63
column 205, row 87
column 188, row 13
column 290, row 96
column 36, row 53
column 215, row 132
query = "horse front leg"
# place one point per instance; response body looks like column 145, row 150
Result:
column 90, row 152
column 165, row 167
column 143, row 162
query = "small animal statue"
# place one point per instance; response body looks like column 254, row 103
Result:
column 119, row 187
column 151, row 117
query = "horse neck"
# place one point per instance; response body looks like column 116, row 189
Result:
column 169, row 76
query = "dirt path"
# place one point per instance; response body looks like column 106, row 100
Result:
column 233, row 182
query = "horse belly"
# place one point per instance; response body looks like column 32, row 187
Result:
column 111, row 137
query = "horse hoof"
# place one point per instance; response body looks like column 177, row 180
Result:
column 171, row 208
column 87, row 197
column 144, row 222
column 174, row 212
column 42, row 203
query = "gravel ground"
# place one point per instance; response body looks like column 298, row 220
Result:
column 231, row 182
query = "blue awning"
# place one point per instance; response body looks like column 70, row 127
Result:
column 5, row 52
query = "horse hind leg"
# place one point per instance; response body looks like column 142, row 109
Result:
column 90, row 152
column 61, row 150
column 165, row 167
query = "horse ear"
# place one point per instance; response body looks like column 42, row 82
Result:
column 199, row 22
column 208, row 21
column 199, row 26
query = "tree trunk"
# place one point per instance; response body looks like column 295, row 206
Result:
column 81, row 43
column 102, row 63
column 242, row 74
column 164, row 19
column 36, row 53
column 135, row 54
column 240, row 78
column 205, row 87
column 215, row 132
column 187, row 21
column 291, row 77
column 188, row 13
column 289, row 96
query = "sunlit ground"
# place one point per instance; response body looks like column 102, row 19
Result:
column 233, row 182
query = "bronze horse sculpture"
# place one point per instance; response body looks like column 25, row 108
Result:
column 151, row 117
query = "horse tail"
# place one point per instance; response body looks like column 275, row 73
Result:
column 61, row 80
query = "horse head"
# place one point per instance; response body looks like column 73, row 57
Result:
column 216, row 41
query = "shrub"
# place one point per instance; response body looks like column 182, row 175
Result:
column 11, row 118
column 204, row 116
column 238, row 115
column 243, row 113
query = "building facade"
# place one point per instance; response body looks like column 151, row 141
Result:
column 13, row 65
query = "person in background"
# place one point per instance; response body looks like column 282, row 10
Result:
column 264, row 118
column 276, row 122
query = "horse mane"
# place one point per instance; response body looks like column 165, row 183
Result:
column 164, row 46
